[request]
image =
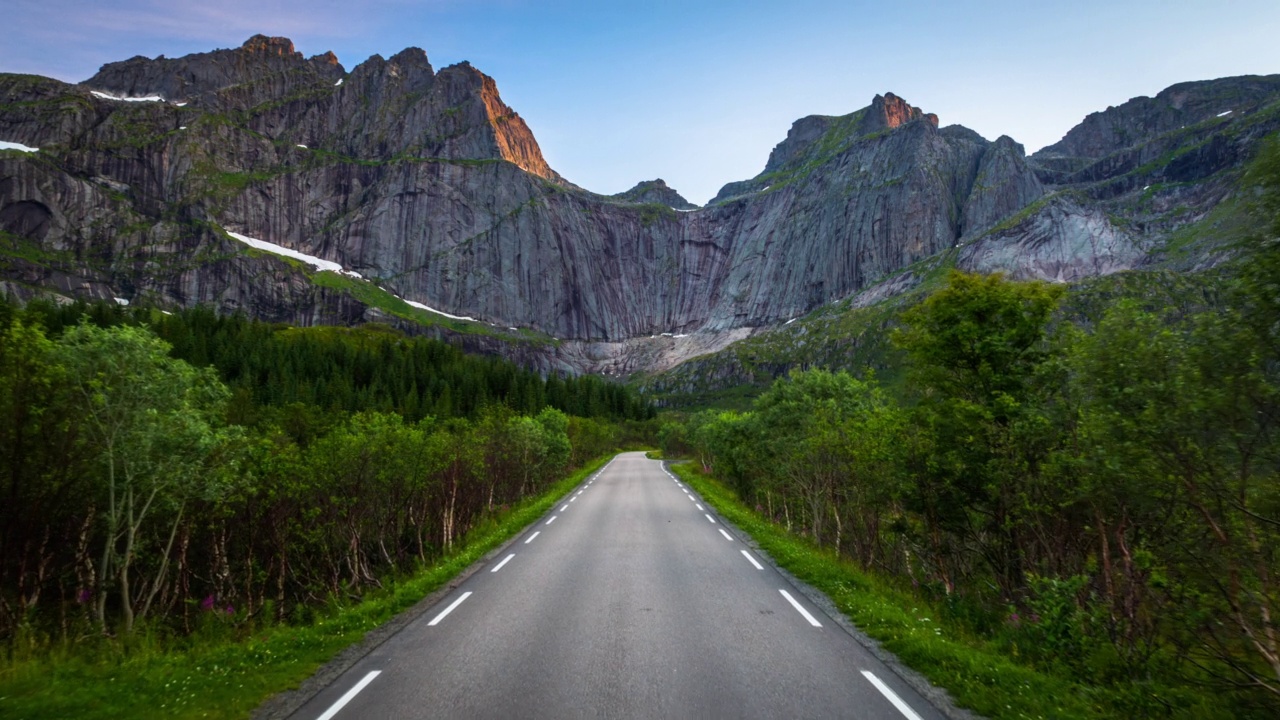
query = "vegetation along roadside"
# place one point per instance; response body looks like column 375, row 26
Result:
column 1047, row 518
column 201, row 510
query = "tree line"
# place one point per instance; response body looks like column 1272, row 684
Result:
column 1103, row 498
column 162, row 469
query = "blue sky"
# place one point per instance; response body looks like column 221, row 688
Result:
column 698, row 93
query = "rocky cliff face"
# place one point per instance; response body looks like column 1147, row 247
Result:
column 435, row 191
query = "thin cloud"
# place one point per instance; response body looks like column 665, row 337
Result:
column 90, row 34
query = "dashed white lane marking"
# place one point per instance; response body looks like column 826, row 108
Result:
column 903, row 708
column 505, row 560
column 553, row 519
column 564, row 507
column 342, row 701
column 531, row 537
column 575, row 497
column 686, row 492
column 695, row 502
column 800, row 608
column 726, row 535
column 752, row 560
column 449, row 609
column 713, row 520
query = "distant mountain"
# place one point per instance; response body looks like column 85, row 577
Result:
column 656, row 192
column 433, row 191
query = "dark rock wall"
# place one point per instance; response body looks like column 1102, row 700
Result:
column 429, row 184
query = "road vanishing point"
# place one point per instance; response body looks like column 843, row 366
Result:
column 630, row 599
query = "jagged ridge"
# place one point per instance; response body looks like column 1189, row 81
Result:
column 429, row 184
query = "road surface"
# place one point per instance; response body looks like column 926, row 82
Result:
column 630, row 599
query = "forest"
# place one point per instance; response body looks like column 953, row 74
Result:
column 161, row 469
column 1102, row 498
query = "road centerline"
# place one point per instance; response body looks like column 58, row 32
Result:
column 892, row 696
column 445, row 613
column 800, row 609
column 505, row 560
column 752, row 560
column 726, row 535
column 342, row 701
column 553, row 519
column 531, row 537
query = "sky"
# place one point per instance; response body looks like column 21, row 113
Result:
column 698, row 93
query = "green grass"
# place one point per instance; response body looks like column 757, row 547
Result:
column 979, row 672
column 374, row 296
column 217, row 673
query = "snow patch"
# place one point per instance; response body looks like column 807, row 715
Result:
column 121, row 301
column 420, row 306
column 105, row 96
column 304, row 147
column 16, row 146
column 689, row 210
column 317, row 263
column 338, row 83
column 513, row 329
column 679, row 336
column 1224, row 114
column 181, row 104
column 794, row 319
column 184, row 127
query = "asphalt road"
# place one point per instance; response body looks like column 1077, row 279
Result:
column 630, row 599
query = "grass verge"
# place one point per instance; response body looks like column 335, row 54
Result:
column 216, row 674
column 978, row 673
column 374, row 296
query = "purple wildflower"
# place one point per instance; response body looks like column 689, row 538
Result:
column 207, row 603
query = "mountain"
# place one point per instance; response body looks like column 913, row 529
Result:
column 434, row 192
column 655, row 192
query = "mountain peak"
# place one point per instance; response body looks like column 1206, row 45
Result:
column 656, row 191
column 889, row 111
column 198, row 74
column 280, row 46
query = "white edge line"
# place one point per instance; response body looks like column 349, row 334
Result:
column 449, row 609
column 505, row 560
column 342, row 701
column 885, row 690
column 531, row 537
column 713, row 520
column 553, row 519
column 800, row 608
column 726, row 535
column 752, row 560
